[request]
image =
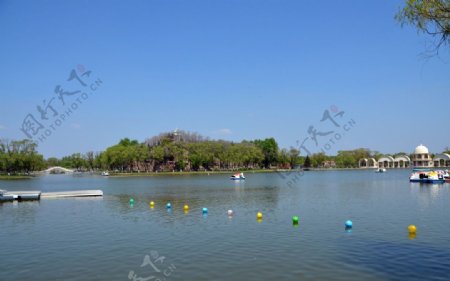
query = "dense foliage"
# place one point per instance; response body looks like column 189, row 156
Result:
column 20, row 157
column 183, row 151
column 429, row 16
column 179, row 151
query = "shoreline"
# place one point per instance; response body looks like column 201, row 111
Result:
column 191, row 173
column 153, row 174
column 199, row 173
column 15, row 177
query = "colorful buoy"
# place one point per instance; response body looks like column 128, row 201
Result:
column 259, row 216
column 152, row 204
column 186, row 207
column 412, row 229
column 131, row 201
column 168, row 205
column 205, row 210
column 295, row 219
column 348, row 224
column 230, row 212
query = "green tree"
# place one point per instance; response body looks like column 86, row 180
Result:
column 307, row 163
column 52, row 162
column 157, row 154
column 269, row 148
column 317, row 159
column 429, row 16
column 20, row 156
column 294, row 157
column 89, row 158
column 283, row 158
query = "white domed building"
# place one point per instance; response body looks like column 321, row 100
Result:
column 441, row 160
column 421, row 158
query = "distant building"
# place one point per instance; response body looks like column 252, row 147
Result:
column 386, row 162
column 368, row 163
column 329, row 164
column 441, row 160
column 421, row 158
column 401, row 161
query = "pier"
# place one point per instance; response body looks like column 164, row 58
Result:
column 69, row 194
column 38, row 195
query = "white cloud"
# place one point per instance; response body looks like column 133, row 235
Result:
column 75, row 126
column 224, row 132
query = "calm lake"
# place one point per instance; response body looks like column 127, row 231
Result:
column 109, row 239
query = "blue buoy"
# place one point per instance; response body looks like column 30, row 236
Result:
column 205, row 210
column 169, row 205
column 348, row 224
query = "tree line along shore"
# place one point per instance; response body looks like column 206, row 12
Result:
column 177, row 151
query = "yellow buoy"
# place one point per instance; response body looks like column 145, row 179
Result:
column 259, row 216
column 152, row 204
column 412, row 229
column 186, row 207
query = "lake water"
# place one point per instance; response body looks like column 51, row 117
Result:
column 108, row 239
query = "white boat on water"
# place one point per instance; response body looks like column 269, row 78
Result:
column 380, row 170
column 105, row 174
column 427, row 177
column 238, row 176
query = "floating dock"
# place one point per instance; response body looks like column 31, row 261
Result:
column 37, row 195
column 68, row 194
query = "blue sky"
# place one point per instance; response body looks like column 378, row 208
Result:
column 225, row 69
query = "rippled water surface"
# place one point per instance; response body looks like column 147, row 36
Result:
column 108, row 239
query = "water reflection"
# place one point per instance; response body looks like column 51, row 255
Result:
column 115, row 234
column 216, row 198
column 427, row 194
column 399, row 261
column 24, row 212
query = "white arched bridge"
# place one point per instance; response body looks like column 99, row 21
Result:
column 58, row 170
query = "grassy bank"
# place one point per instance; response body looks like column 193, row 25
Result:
column 155, row 174
column 15, row 177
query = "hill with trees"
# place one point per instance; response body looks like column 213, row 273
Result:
column 179, row 151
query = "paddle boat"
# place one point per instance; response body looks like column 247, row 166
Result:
column 380, row 170
column 447, row 176
column 238, row 176
column 427, row 177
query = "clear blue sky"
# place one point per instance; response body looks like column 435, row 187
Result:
column 225, row 69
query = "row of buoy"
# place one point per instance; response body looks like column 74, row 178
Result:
column 412, row 229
